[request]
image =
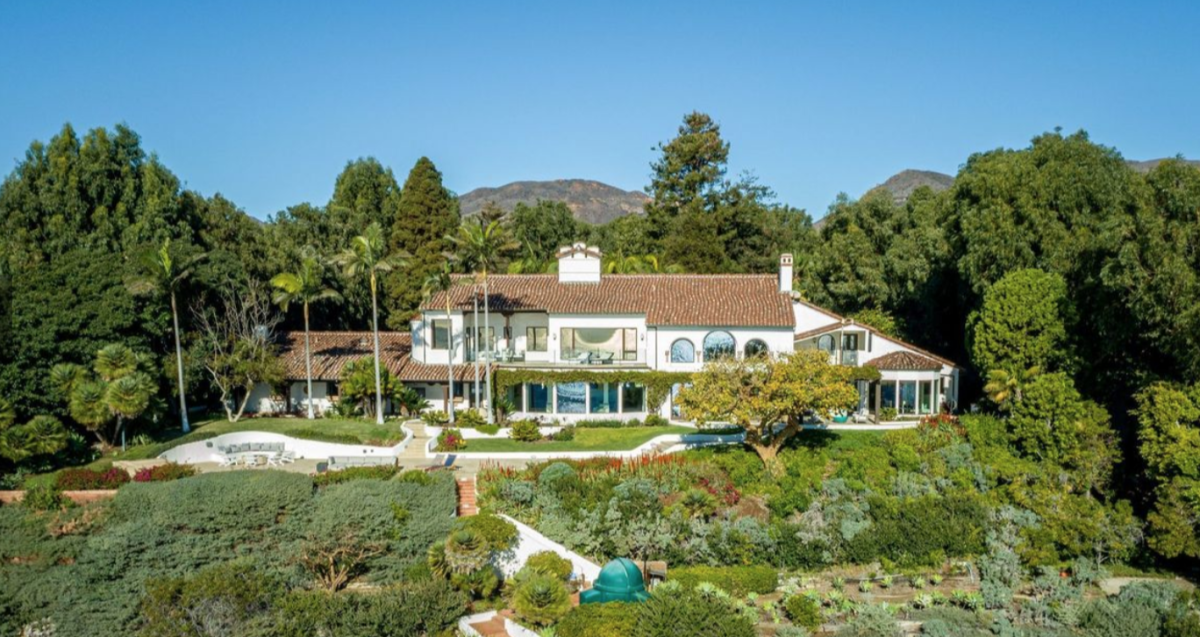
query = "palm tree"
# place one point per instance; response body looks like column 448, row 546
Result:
column 442, row 280
column 119, row 389
column 162, row 273
column 1004, row 387
column 307, row 285
column 483, row 247
column 368, row 254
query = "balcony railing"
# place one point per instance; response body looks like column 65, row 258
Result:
column 504, row 356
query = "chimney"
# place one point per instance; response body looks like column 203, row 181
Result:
column 579, row 263
column 785, row 273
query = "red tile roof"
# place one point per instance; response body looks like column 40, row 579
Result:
column 903, row 361
column 846, row 323
column 332, row 351
column 701, row 300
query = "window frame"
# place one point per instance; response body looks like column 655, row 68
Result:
column 671, row 351
column 531, row 340
column 433, row 334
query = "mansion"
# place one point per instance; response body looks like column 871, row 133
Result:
column 552, row 326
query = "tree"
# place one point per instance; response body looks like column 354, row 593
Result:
column 428, row 211
column 162, row 272
column 237, row 345
column 367, row 255
column 543, row 228
column 691, row 168
column 1169, row 434
column 769, row 398
column 305, row 286
column 482, row 248
column 1023, row 324
column 43, row 435
column 115, row 390
column 1053, row 424
column 881, row 320
column 358, row 384
column 440, row 282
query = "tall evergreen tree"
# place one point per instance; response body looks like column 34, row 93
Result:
column 427, row 212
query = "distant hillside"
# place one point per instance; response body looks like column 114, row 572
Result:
column 590, row 201
column 1149, row 164
column 905, row 182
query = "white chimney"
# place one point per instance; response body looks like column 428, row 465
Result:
column 785, row 273
column 579, row 263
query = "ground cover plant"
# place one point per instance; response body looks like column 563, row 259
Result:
column 89, row 570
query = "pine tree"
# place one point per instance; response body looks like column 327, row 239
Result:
column 426, row 214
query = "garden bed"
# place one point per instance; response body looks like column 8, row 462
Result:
column 586, row 439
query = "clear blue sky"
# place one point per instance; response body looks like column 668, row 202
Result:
column 265, row 102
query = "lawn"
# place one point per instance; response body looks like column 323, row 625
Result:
column 586, row 439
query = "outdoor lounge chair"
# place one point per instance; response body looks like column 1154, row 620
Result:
column 287, row 457
column 603, row 358
column 581, row 358
column 227, row 461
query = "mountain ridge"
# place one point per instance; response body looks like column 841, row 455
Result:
column 591, row 201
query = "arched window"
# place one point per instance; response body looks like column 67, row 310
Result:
column 682, row 351
column 718, row 345
column 825, row 343
column 756, row 348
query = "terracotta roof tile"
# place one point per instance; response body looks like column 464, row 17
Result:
column 701, row 300
column 850, row 323
column 903, row 361
column 332, row 351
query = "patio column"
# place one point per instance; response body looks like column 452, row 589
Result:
column 878, row 398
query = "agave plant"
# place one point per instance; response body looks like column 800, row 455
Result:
column 865, row 586
column 936, row 579
column 886, row 582
column 918, row 582
column 541, row 600
column 466, row 552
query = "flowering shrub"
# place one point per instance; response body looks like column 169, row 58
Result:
column 451, row 440
column 90, row 479
column 164, row 472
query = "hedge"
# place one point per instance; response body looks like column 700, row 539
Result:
column 611, row 619
column 735, row 580
column 90, row 479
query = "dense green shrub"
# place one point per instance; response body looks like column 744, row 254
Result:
column 164, row 472
column 469, row 419
column 234, row 596
column 379, row 472
column 44, row 497
column 407, row 610
column 320, row 435
column 566, row 434
column 416, row 476
column 1182, row 619
column 803, row 611
column 497, row 533
column 736, row 580
column 676, row 610
column 490, row 430
column 608, row 423
column 550, row 563
column 541, row 599
column 525, row 431
column 436, row 418
column 871, row 621
column 655, row 420
column 90, row 479
column 610, row 619
column 1139, row 609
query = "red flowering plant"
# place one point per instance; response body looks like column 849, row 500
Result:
column 90, row 479
column 164, row 473
column 451, row 440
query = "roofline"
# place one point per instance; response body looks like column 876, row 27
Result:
column 852, row 323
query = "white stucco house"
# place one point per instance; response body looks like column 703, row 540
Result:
column 566, row 331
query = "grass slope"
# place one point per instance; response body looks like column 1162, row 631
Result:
column 586, row 439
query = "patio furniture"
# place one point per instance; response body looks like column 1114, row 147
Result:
column 226, row 461
column 341, row 462
column 287, row 457
column 580, row 358
column 603, row 358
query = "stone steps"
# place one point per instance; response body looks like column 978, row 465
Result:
column 466, row 497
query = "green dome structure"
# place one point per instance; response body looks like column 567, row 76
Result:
column 620, row 581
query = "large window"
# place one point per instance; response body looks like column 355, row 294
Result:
column 926, row 397
column 602, row 343
column 604, row 398
column 756, row 348
column 441, row 334
column 908, row 397
column 633, row 397
column 887, row 394
column 478, row 340
column 571, row 398
column 682, row 351
column 513, row 395
column 538, row 397
column 718, row 344
column 825, row 343
column 535, row 338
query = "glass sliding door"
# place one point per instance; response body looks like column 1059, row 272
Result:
column 887, row 394
column 633, row 397
column 908, row 397
column 603, row 398
column 538, row 396
column 571, row 398
column 925, row 399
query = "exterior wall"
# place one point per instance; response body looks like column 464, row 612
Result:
column 778, row 340
column 322, row 401
column 422, row 338
column 261, row 401
column 518, row 322
column 808, row 318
